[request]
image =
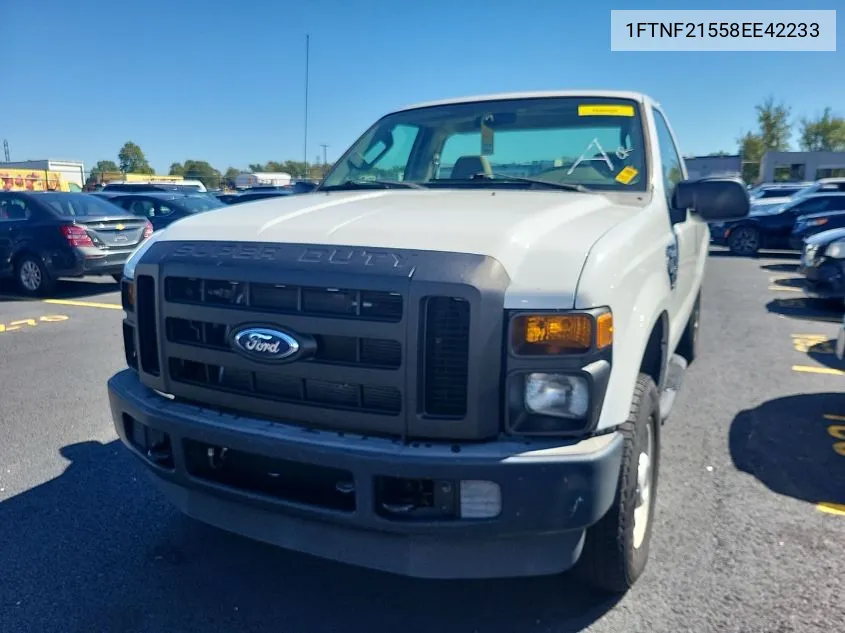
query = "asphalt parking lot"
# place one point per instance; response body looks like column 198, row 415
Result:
column 750, row 532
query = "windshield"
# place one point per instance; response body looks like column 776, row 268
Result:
column 79, row 205
column 593, row 142
column 195, row 204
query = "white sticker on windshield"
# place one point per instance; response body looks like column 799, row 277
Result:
column 623, row 152
column 583, row 157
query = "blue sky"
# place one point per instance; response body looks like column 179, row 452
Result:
column 224, row 81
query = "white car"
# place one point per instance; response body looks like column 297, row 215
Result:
column 452, row 360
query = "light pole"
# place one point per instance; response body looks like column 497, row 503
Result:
column 305, row 147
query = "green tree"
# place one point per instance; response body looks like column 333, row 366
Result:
column 100, row 172
column 202, row 171
column 256, row 167
column 751, row 148
column 230, row 176
column 132, row 160
column 775, row 129
column 823, row 134
column 176, row 169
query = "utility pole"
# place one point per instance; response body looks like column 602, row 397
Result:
column 6, row 150
column 305, row 148
column 324, row 146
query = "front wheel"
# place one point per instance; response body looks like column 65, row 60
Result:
column 616, row 548
column 744, row 240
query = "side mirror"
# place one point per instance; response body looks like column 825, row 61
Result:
column 713, row 199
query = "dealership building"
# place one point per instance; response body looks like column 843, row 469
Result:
column 705, row 166
column 801, row 166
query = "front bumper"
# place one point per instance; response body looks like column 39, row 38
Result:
column 796, row 243
column 824, row 279
column 549, row 493
column 89, row 261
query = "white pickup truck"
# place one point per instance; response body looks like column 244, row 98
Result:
column 452, row 359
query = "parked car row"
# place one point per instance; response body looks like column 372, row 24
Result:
column 775, row 223
column 48, row 235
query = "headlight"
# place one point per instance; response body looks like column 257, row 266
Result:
column 549, row 334
column 836, row 249
column 557, row 395
column 138, row 253
column 815, row 222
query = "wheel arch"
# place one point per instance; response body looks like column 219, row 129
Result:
column 656, row 351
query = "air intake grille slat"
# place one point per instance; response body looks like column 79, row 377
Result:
column 319, row 393
column 147, row 329
column 364, row 305
column 446, row 356
column 332, row 350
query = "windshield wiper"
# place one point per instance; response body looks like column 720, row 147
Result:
column 535, row 181
column 383, row 184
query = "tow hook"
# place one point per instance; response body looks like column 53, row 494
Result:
column 216, row 456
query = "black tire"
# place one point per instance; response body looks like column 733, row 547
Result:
column 744, row 240
column 688, row 345
column 610, row 561
column 32, row 276
column 118, row 277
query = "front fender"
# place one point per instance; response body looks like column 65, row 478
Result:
column 632, row 280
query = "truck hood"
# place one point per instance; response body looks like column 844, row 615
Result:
column 542, row 238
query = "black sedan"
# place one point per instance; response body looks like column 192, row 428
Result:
column 770, row 226
column 823, row 265
column 163, row 208
column 44, row 236
column 807, row 225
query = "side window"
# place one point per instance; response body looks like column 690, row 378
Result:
column 814, row 205
column 670, row 160
column 14, row 209
column 836, row 203
column 142, row 208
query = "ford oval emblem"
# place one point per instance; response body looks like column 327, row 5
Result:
column 265, row 344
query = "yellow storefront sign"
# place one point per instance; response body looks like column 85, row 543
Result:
column 31, row 180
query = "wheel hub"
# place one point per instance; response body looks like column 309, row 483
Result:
column 642, row 510
column 30, row 275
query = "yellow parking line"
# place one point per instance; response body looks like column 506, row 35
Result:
column 84, row 304
column 831, row 508
column 836, row 418
column 817, row 370
column 786, row 288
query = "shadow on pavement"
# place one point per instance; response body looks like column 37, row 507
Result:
column 780, row 268
column 65, row 289
column 97, row 549
column 805, row 309
column 788, row 445
column 824, row 353
column 791, row 282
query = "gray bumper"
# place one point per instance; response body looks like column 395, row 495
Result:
column 550, row 494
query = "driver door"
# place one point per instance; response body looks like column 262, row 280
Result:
column 688, row 238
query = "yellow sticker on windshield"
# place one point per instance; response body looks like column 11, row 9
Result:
column 626, row 175
column 605, row 110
